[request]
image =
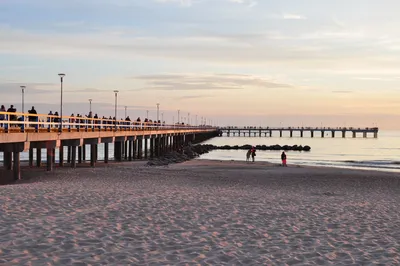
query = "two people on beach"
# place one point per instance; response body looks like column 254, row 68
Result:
column 251, row 152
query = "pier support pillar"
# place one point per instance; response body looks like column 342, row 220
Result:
column 322, row 134
column 312, row 133
column 92, row 155
column 140, row 148
column 16, row 166
column 291, row 133
column 161, row 145
column 61, row 156
column 105, row 152
column 7, row 160
column 38, row 157
column 80, row 153
column 54, row 156
column 151, row 147
column 97, row 153
column 343, row 134
column 157, row 146
column 30, row 157
column 126, row 150
column 301, row 133
column 280, row 133
column 130, row 150
column 354, row 134
column 49, row 161
column 364, row 134
column 333, row 134
column 118, row 151
column 376, row 135
column 73, row 156
column 69, row 150
column 146, row 147
column 83, row 153
column 134, row 149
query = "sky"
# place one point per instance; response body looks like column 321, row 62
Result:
column 232, row 62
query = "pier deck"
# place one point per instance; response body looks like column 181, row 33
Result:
column 132, row 140
column 268, row 131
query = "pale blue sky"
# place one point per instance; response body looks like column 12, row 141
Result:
column 235, row 61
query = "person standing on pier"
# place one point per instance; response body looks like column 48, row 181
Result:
column 283, row 157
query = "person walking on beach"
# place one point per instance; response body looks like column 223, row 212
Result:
column 283, row 157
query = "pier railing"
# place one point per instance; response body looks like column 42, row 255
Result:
column 36, row 123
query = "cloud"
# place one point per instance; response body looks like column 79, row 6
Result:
column 89, row 90
column 249, row 3
column 190, row 97
column 293, row 16
column 207, row 82
column 186, row 3
column 327, row 49
column 342, row 92
column 31, row 88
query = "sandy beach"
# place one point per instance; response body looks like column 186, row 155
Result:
column 201, row 213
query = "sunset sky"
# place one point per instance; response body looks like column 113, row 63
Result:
column 242, row 62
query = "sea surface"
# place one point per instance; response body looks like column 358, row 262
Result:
column 369, row 153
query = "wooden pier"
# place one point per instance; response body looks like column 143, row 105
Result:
column 21, row 132
column 297, row 131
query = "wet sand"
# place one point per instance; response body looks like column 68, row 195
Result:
column 202, row 212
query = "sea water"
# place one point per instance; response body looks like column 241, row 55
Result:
column 382, row 153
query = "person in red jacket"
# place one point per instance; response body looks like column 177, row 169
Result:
column 283, row 158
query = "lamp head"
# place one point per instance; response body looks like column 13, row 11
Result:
column 116, row 91
column 61, row 75
column 90, row 100
column 22, row 87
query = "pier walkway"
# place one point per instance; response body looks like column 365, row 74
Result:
column 132, row 140
column 300, row 131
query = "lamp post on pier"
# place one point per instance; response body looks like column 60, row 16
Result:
column 158, row 110
column 179, row 112
column 115, row 109
column 188, row 119
column 196, row 120
column 90, row 105
column 162, row 118
column 61, row 75
column 23, row 97
column 147, row 114
column 125, row 111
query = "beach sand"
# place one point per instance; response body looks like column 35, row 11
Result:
column 201, row 212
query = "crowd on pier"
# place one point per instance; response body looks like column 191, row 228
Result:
column 73, row 121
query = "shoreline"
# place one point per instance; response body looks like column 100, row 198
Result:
column 268, row 165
